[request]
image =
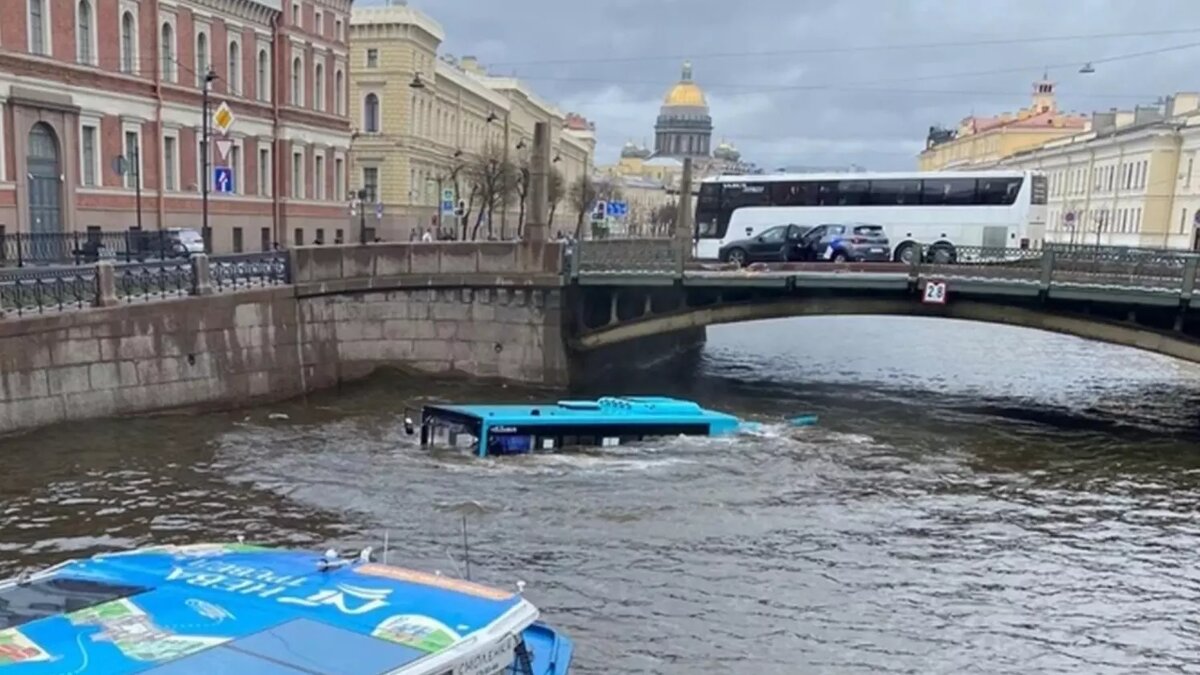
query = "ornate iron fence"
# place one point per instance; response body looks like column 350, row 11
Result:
column 148, row 281
column 248, row 270
column 624, row 256
column 85, row 248
column 38, row 291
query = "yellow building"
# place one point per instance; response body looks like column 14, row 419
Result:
column 1132, row 179
column 421, row 120
column 985, row 140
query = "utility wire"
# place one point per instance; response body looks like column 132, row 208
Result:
column 857, row 48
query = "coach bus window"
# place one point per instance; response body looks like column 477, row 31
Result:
column 793, row 194
column 895, row 192
column 710, row 196
column 827, row 193
column 997, row 191
column 853, row 192
column 949, row 192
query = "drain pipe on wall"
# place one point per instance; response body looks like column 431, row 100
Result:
column 276, row 216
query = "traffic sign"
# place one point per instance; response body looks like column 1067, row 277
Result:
column 461, row 209
column 120, row 165
column 600, row 210
column 448, row 194
column 224, row 145
column 223, row 179
column 1069, row 217
column 935, row 293
column 447, row 207
column 379, row 210
column 223, row 118
column 617, row 209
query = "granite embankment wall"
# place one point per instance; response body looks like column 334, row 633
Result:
column 489, row 310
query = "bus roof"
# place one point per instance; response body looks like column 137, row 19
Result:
column 878, row 175
column 614, row 409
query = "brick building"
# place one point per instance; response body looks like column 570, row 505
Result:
column 85, row 82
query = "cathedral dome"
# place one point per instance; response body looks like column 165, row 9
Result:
column 685, row 93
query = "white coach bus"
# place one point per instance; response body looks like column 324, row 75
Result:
column 943, row 211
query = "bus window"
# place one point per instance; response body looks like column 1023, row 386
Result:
column 827, row 193
column 853, row 192
column 793, row 194
column 710, row 196
column 738, row 195
column 895, row 192
column 998, row 191
column 949, row 192
column 1038, row 190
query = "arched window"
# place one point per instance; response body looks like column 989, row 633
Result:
column 83, row 32
column 128, row 35
column 319, row 87
column 167, row 48
column 201, row 58
column 371, row 114
column 339, row 97
column 264, row 75
column 297, row 82
column 235, row 68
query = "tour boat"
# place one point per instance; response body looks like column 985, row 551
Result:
column 521, row 428
column 235, row 608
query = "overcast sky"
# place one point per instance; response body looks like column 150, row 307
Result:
column 828, row 82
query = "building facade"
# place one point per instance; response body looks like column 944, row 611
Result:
column 423, row 121
column 1133, row 179
column 85, row 83
column 986, row 140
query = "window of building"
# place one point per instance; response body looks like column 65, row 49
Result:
column 264, row 76
column 238, row 244
column 319, row 177
column 88, row 136
column 337, row 30
column 235, row 163
column 298, row 236
column 234, row 80
column 339, row 178
column 128, row 43
column 85, row 39
column 133, row 159
column 39, row 39
column 296, row 14
column 339, row 96
column 298, row 174
column 265, row 238
column 320, row 238
column 167, row 52
column 202, row 59
column 297, row 81
column 372, row 58
column 264, row 172
column 319, row 87
column 370, row 182
column 319, row 23
column 1188, row 180
column 371, row 113
column 170, row 163
column 1183, row 221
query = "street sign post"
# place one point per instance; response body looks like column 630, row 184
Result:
column 223, row 118
column 447, row 206
column 379, row 211
column 223, row 179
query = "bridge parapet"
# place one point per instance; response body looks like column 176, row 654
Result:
column 318, row 264
column 624, row 256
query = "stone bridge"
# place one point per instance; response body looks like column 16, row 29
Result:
column 112, row 339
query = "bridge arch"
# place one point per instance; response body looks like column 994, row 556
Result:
column 1178, row 345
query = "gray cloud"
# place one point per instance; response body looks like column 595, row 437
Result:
column 840, row 100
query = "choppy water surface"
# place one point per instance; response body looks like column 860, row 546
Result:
column 975, row 499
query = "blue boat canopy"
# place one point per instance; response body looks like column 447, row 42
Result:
column 231, row 608
column 516, row 428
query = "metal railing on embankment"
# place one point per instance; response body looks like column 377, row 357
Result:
column 104, row 284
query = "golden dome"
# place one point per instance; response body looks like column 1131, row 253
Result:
column 685, row 93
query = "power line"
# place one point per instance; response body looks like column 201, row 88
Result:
column 856, row 48
column 857, row 86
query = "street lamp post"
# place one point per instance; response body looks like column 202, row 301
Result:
column 204, row 169
column 362, row 216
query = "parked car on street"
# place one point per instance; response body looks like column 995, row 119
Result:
column 853, row 242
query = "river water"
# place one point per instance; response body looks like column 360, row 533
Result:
column 974, row 499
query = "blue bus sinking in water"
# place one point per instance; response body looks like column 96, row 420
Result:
column 520, row 428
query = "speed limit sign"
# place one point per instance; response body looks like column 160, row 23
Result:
column 935, row 293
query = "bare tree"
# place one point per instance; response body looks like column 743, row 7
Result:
column 492, row 180
column 664, row 218
column 523, row 174
column 556, row 190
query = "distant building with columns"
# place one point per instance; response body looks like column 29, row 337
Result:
column 684, row 126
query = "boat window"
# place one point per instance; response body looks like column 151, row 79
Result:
column 52, row 597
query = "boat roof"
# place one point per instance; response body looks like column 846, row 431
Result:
column 609, row 409
column 235, row 608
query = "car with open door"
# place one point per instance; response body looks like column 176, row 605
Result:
column 849, row 242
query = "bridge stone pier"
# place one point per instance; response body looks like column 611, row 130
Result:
column 485, row 310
